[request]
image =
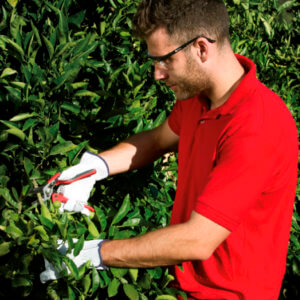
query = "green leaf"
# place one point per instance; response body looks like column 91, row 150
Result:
column 62, row 27
column 69, row 75
column 13, row 3
column 113, row 4
column 267, row 26
column 8, row 72
column 133, row 274
column 79, row 245
column 127, row 79
column 101, row 217
column 160, row 119
column 71, row 294
column 63, row 228
column 77, row 18
column 81, row 46
column 45, row 212
column 8, row 124
column 165, row 297
column 17, row 132
column 18, row 84
column 131, row 223
column 21, row 117
column 78, row 85
column 95, row 280
column 14, row 231
column 13, row 45
column 137, row 88
column 5, row 193
column 36, row 33
column 105, row 278
column 49, row 46
column 84, row 93
column 71, row 266
column 46, row 222
column 131, row 292
column 42, row 232
column 21, row 281
column 93, row 230
column 92, row 227
column 62, row 148
column 86, row 281
column 14, row 92
column 118, row 272
column 125, row 34
column 5, row 248
column 113, row 287
column 124, row 209
column 102, row 27
column 285, row 5
column 155, row 273
column 14, row 130
column 71, row 107
column 145, row 281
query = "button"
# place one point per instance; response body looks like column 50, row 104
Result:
column 202, row 121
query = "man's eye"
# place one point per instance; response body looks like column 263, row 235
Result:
column 166, row 61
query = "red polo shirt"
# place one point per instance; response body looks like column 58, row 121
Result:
column 238, row 167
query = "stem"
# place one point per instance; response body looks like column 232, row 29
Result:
column 39, row 196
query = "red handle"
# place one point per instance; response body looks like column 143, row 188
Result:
column 61, row 198
column 77, row 177
column 54, row 177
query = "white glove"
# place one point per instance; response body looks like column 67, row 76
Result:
column 79, row 191
column 90, row 252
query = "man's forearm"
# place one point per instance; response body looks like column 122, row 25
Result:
column 193, row 240
column 140, row 149
column 132, row 153
column 157, row 248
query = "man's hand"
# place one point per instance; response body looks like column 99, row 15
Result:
column 79, row 191
column 90, row 252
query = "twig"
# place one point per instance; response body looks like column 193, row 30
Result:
column 39, row 196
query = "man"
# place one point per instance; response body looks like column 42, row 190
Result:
column 238, row 153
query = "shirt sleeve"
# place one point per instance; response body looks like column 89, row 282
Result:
column 242, row 170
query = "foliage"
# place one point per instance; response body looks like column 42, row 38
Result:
column 72, row 78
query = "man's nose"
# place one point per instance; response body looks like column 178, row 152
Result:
column 160, row 72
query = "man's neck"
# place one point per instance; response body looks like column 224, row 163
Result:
column 229, row 73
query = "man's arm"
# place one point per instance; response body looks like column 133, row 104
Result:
column 140, row 149
column 196, row 239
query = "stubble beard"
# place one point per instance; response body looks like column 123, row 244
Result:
column 192, row 82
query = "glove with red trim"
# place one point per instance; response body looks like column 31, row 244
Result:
column 78, row 192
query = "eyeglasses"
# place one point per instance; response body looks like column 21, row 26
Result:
column 161, row 59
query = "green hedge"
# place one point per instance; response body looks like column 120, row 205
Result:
column 72, row 77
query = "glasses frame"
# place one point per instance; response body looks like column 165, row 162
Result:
column 161, row 59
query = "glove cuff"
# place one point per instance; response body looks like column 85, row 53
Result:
column 101, row 266
column 97, row 162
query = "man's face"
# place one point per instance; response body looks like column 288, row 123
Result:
column 181, row 72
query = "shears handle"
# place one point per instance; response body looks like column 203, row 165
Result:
column 55, row 178
column 61, row 198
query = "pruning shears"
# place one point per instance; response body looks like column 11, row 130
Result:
column 48, row 190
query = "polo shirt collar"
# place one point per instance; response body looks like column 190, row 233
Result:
column 245, row 88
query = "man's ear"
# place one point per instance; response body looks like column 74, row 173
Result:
column 202, row 49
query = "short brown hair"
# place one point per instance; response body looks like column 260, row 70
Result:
column 182, row 19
